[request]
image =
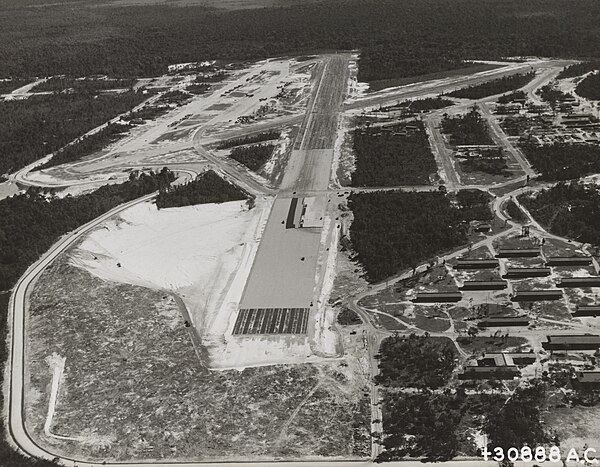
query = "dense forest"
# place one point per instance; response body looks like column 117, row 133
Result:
column 468, row 129
column 393, row 231
column 518, row 421
column 551, row 95
column 87, row 145
column 563, row 161
column 396, row 39
column 473, row 205
column 511, row 97
column 206, row 188
column 62, row 83
column 415, row 362
column 40, row 125
column 254, row 156
column 412, row 420
column 589, row 87
column 570, row 210
column 250, row 139
column 393, row 155
column 496, row 86
column 578, row 69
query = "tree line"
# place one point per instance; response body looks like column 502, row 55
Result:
column 207, row 187
column 412, row 420
column 419, row 105
column 511, row 97
column 87, row 145
column 254, row 156
column 396, row 39
column 552, row 95
column 468, row 129
column 63, row 83
column 561, row 161
column 250, row 139
column 578, row 69
column 33, row 221
column 570, row 210
column 35, row 127
column 589, row 87
column 496, row 86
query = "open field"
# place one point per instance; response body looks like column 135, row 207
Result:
column 113, row 337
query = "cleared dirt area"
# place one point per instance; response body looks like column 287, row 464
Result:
column 575, row 426
column 133, row 387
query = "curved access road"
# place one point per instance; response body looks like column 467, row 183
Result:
column 15, row 389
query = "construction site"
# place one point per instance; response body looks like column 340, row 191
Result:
column 212, row 332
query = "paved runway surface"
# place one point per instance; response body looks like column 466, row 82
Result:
column 284, row 271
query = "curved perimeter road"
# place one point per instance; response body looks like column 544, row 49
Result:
column 15, row 371
column 14, row 388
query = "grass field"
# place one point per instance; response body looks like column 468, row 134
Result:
column 133, row 387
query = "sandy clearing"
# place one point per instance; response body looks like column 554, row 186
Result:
column 195, row 251
column 8, row 189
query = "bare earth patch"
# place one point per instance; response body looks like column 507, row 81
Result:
column 133, row 387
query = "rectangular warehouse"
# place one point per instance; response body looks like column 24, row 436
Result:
column 579, row 282
column 568, row 261
column 572, row 342
column 537, row 295
column 587, row 310
column 517, row 273
column 518, row 252
column 476, row 264
column 438, row 297
column 483, row 285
